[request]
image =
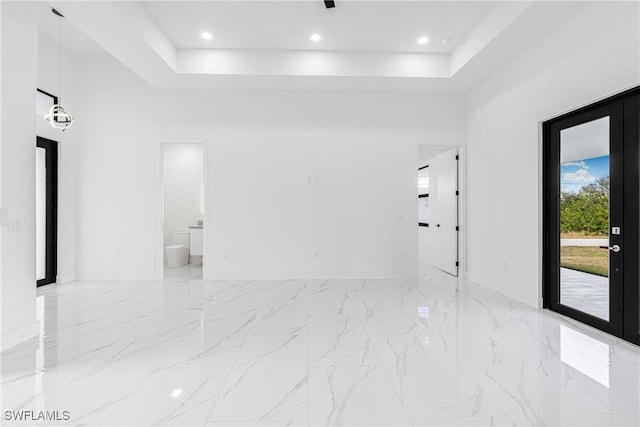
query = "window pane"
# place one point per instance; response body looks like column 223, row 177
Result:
column 584, row 217
column 423, row 181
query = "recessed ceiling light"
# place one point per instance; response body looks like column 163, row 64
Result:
column 205, row 35
column 446, row 40
column 423, row 40
column 315, row 37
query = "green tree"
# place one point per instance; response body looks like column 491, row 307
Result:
column 600, row 186
column 587, row 210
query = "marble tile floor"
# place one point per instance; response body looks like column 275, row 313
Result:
column 437, row 351
column 189, row 271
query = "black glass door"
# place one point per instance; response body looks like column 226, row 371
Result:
column 590, row 253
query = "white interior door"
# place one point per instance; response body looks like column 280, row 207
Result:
column 445, row 221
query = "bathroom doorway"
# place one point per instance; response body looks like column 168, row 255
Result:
column 183, row 209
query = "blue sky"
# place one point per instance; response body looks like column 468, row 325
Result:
column 575, row 175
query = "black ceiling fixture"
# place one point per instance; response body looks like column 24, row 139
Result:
column 329, row 4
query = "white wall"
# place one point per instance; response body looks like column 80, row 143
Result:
column 592, row 55
column 263, row 218
column 269, row 221
column 17, row 173
column 48, row 81
column 183, row 176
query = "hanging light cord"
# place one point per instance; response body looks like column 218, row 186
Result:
column 59, row 60
column 58, row 117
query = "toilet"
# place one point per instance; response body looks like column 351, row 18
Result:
column 178, row 252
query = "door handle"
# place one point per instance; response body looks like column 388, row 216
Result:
column 615, row 248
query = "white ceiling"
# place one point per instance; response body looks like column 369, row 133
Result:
column 72, row 38
column 354, row 26
column 367, row 45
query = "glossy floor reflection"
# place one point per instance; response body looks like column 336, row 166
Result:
column 438, row 351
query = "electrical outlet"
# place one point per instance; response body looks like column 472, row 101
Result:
column 15, row 225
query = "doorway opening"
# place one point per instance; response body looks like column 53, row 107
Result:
column 46, row 211
column 591, row 215
column 438, row 205
column 183, row 208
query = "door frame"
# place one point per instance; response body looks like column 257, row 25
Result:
column 631, row 253
column 51, row 225
column 460, row 184
column 159, row 240
column 624, row 142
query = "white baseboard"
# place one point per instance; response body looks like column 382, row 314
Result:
column 66, row 278
column 303, row 276
column 17, row 336
column 117, row 276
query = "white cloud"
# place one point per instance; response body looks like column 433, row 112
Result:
column 581, row 176
column 579, row 163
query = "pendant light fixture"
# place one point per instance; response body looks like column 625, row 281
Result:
column 58, row 117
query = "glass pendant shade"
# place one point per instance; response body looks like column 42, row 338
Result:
column 58, row 117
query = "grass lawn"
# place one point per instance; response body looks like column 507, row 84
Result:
column 590, row 259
